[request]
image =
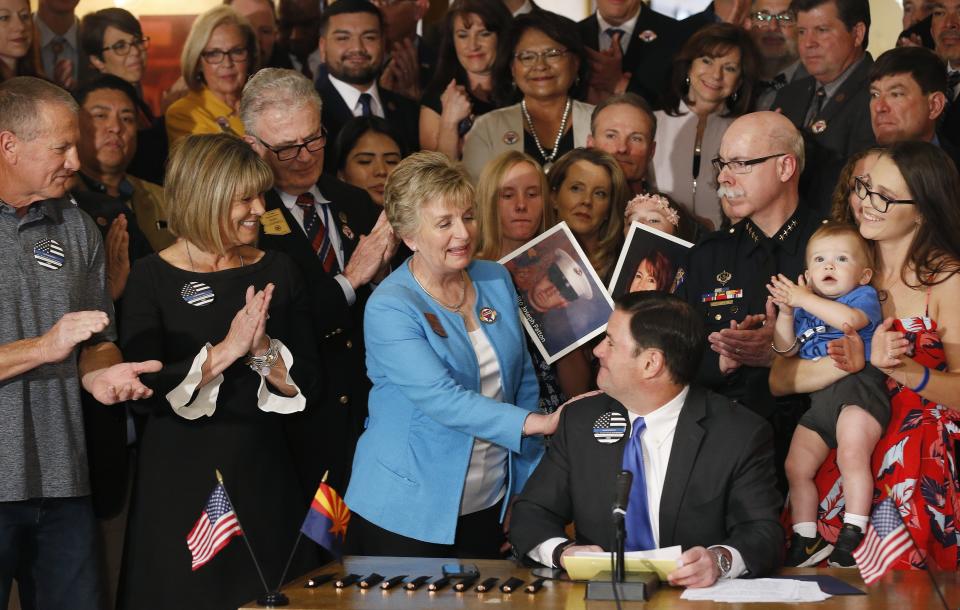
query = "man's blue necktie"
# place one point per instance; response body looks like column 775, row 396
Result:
column 639, row 532
column 365, row 104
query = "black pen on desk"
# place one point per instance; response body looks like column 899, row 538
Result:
column 511, row 585
column 438, row 584
column 392, row 582
column 318, row 580
column 465, row 584
column 487, row 584
column 416, row 583
column 535, row 585
column 370, row 581
column 347, row 580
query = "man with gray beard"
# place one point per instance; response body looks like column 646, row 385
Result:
column 759, row 165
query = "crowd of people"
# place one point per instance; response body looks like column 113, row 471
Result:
column 287, row 273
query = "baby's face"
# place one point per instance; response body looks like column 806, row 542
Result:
column 835, row 265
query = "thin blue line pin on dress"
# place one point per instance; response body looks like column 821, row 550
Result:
column 197, row 294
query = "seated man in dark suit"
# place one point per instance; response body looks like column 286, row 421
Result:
column 703, row 472
column 908, row 96
column 332, row 232
column 831, row 106
column 351, row 48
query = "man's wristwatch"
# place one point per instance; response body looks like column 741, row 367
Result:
column 723, row 559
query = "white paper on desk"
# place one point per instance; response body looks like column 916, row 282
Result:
column 585, row 565
column 768, row 590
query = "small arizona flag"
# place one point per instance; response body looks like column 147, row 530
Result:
column 327, row 519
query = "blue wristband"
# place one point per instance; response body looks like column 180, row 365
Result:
column 923, row 381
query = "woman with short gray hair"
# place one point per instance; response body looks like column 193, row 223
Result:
column 454, row 398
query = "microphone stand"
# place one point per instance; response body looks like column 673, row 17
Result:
column 620, row 538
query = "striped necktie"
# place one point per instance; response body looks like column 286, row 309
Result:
column 317, row 232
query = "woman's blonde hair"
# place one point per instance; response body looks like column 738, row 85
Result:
column 199, row 36
column 419, row 179
column 611, row 230
column 488, row 197
column 205, row 174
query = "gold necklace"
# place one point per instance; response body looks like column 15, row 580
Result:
column 454, row 308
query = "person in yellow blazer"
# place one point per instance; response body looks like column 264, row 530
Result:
column 218, row 57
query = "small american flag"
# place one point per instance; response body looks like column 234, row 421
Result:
column 213, row 530
column 197, row 294
column 886, row 540
column 48, row 253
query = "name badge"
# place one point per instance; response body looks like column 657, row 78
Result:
column 274, row 223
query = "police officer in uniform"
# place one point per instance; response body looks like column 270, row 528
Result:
column 759, row 166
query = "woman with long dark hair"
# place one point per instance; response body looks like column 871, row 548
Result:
column 909, row 210
column 462, row 88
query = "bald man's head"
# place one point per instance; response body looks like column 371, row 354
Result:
column 762, row 157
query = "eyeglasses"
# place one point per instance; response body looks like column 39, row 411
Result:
column 528, row 59
column 122, row 47
column 288, row 153
column 785, row 19
column 880, row 202
column 741, row 167
column 215, row 56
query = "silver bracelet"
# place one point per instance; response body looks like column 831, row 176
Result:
column 262, row 364
column 773, row 346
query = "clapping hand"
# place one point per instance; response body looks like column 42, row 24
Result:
column 847, row 351
column 786, row 294
column 69, row 331
column 888, row 347
column 747, row 342
column 455, row 103
column 118, row 256
column 247, row 334
column 120, row 382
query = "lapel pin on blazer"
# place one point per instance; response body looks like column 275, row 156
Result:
column 488, row 315
column 838, row 98
column 347, row 232
column 342, row 216
column 510, row 138
column 609, row 428
column 819, row 127
column 435, row 324
column 647, row 36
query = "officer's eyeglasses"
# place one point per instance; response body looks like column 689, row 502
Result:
column 288, row 153
column 879, row 201
column 122, row 47
column 786, row 19
column 528, row 59
column 741, row 167
column 215, row 56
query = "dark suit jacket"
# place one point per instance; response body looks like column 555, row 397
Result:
column 846, row 130
column 325, row 435
column 402, row 113
column 647, row 62
column 720, row 485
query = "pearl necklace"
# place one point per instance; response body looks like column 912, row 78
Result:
column 548, row 159
column 454, row 308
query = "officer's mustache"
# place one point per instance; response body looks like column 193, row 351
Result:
column 730, row 192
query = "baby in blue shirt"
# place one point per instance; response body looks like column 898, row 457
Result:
column 851, row 414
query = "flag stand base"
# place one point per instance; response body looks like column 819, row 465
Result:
column 273, row 599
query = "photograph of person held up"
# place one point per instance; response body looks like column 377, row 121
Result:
column 650, row 260
column 562, row 301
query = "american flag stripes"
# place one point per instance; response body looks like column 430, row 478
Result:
column 213, row 530
column 609, row 427
column 885, row 541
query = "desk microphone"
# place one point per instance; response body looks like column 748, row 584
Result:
column 624, row 482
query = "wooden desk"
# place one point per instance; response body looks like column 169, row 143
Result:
column 896, row 591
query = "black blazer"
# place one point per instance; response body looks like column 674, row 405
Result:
column 324, row 436
column 648, row 62
column 720, row 485
column 846, row 130
column 402, row 113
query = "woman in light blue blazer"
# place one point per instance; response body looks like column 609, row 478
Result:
column 454, row 430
